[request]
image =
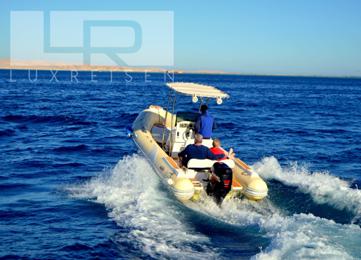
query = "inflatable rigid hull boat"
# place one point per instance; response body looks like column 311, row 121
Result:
column 161, row 135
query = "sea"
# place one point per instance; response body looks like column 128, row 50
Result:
column 74, row 186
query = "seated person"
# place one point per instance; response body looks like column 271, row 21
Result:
column 219, row 151
column 196, row 151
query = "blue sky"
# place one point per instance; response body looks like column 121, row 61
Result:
column 301, row 37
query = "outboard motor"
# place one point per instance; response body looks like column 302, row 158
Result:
column 221, row 182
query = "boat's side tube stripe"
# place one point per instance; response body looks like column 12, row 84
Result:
column 169, row 164
column 242, row 164
column 172, row 162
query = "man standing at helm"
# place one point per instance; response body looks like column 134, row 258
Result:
column 205, row 123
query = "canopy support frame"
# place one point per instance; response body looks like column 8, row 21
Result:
column 172, row 100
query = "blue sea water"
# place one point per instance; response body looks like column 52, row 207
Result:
column 73, row 186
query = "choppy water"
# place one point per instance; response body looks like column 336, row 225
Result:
column 74, row 186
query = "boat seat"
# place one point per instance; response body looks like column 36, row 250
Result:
column 207, row 163
column 200, row 163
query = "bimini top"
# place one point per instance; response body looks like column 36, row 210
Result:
column 197, row 90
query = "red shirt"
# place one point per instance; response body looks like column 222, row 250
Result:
column 218, row 151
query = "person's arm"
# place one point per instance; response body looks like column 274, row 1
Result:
column 181, row 156
column 183, row 153
column 228, row 155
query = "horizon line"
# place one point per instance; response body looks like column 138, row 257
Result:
column 5, row 65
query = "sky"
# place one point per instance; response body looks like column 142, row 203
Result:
column 299, row 37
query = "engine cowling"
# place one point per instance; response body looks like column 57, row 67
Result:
column 221, row 182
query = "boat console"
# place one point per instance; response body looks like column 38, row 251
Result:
column 183, row 133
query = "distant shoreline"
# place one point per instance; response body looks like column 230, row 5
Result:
column 41, row 66
column 4, row 65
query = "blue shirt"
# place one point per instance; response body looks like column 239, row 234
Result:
column 193, row 151
column 204, row 125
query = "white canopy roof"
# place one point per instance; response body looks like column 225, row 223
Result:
column 199, row 90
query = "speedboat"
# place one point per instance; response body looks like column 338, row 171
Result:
column 162, row 133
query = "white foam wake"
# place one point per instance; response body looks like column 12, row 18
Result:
column 301, row 236
column 131, row 194
column 157, row 226
column 323, row 187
